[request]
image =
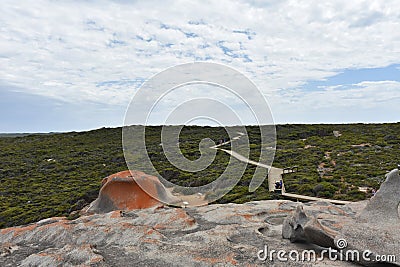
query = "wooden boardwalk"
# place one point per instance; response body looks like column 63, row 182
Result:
column 308, row 198
column 275, row 175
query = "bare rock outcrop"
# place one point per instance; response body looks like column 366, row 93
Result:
column 133, row 230
column 377, row 228
column 213, row 235
column 373, row 235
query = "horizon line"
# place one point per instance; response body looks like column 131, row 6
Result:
column 211, row 126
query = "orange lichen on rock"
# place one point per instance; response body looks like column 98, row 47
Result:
column 249, row 217
column 177, row 217
column 129, row 190
column 228, row 259
column 115, row 214
column 18, row 230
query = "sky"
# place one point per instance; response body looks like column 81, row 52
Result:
column 75, row 65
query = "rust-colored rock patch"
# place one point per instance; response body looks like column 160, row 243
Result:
column 129, row 190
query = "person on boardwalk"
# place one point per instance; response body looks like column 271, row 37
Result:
column 278, row 185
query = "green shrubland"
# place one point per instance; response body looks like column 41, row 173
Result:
column 54, row 174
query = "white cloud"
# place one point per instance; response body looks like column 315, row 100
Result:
column 361, row 102
column 366, row 94
column 65, row 49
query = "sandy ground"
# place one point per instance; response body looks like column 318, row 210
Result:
column 193, row 200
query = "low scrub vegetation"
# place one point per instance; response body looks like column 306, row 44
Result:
column 54, row 174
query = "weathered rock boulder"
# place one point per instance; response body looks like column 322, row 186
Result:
column 373, row 234
column 300, row 227
column 377, row 228
column 384, row 206
column 293, row 226
column 121, row 191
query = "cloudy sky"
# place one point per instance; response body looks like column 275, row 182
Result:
column 75, row 65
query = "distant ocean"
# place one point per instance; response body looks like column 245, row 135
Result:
column 22, row 134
